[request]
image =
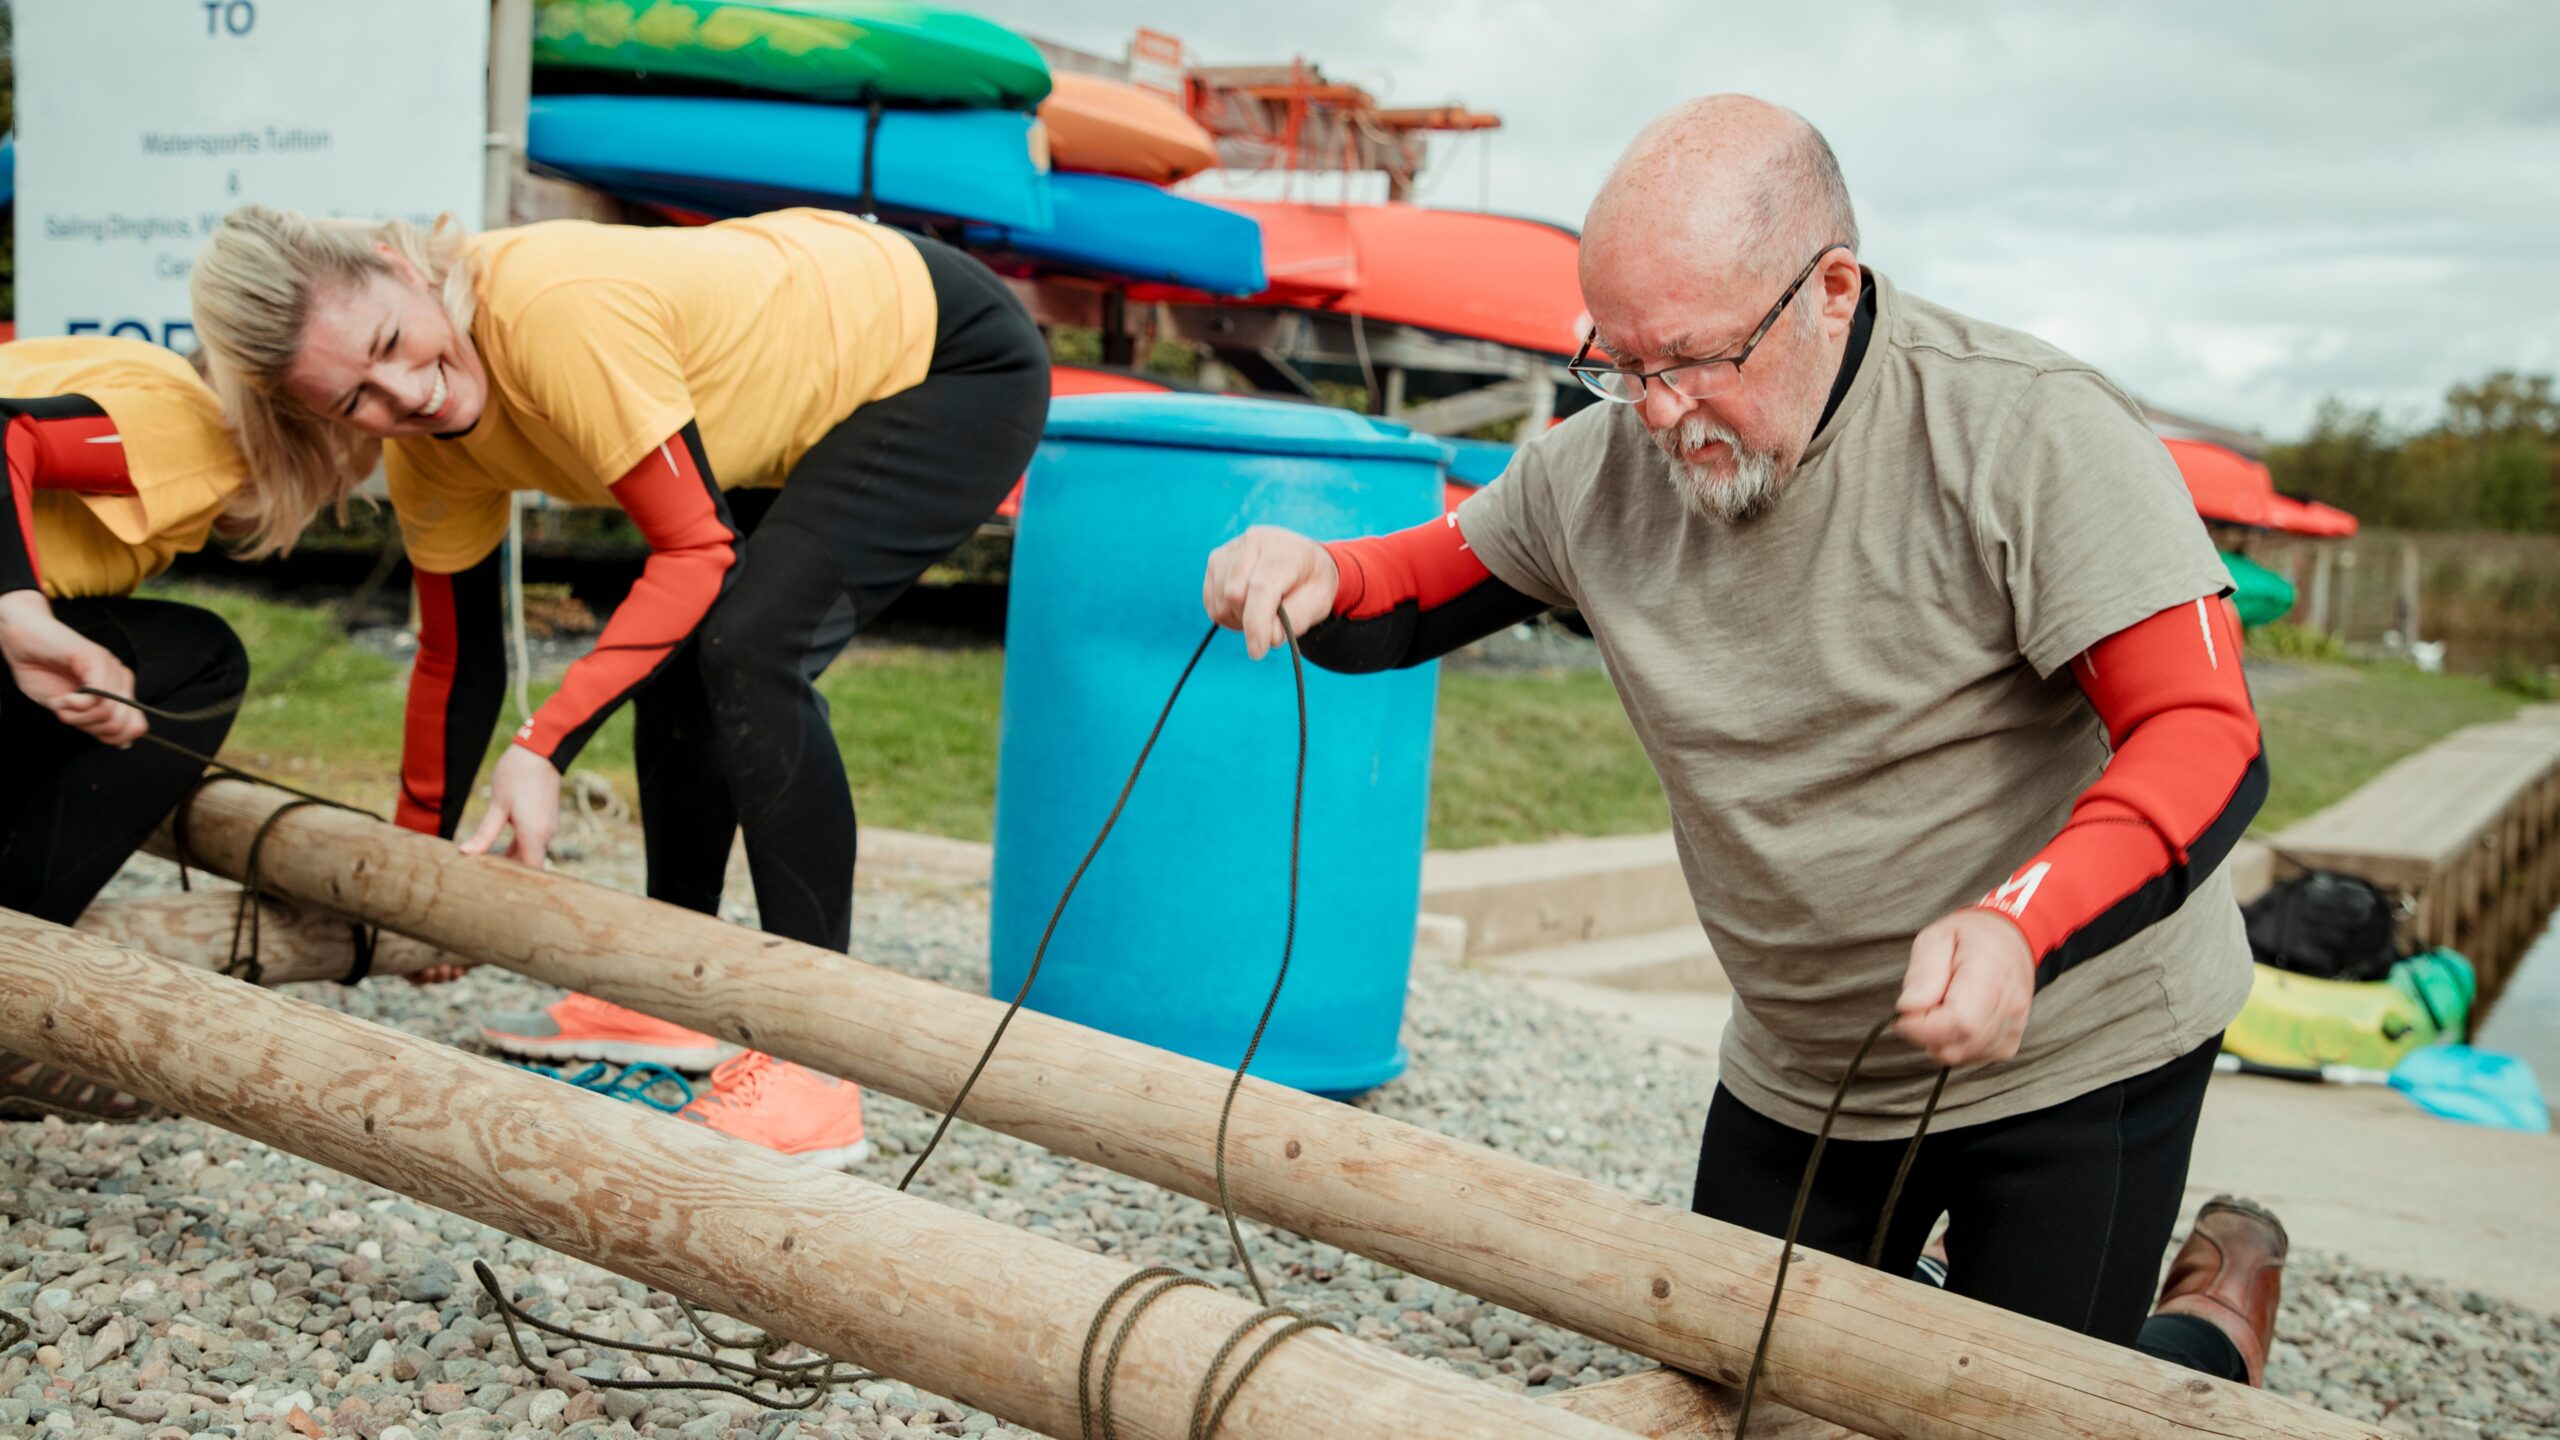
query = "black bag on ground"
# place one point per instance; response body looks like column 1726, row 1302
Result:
column 2327, row 924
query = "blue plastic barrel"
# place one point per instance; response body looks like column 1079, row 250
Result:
column 1174, row 935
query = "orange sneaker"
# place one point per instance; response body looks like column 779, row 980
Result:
column 582, row 1027
column 784, row 1107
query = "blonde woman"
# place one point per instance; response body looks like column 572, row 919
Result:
column 800, row 412
column 118, row 462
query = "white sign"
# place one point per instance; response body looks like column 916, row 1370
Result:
column 142, row 122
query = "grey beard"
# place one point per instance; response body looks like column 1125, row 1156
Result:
column 1754, row 483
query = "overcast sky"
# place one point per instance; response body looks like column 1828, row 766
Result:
column 2234, row 208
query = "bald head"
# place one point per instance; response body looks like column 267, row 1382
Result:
column 1742, row 185
column 1688, row 255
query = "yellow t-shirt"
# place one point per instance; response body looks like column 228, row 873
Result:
column 600, row 341
column 177, row 452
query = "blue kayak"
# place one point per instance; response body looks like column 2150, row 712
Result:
column 8, row 168
column 1477, row 462
column 1131, row 230
column 727, row 157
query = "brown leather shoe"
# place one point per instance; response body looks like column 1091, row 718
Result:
column 31, row 1090
column 2231, row 1272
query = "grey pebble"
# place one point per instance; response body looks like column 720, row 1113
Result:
column 433, row 1282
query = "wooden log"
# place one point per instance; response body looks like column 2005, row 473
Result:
column 1879, row 1354
column 955, row 1303
column 295, row 942
column 1668, row 1405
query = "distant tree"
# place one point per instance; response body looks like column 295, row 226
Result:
column 2515, row 485
column 2351, row 459
column 2491, row 460
column 2504, row 404
column 2509, row 429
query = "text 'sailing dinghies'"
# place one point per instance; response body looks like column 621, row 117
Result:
column 902, row 52
column 1113, row 128
column 1128, row 229
column 726, row 157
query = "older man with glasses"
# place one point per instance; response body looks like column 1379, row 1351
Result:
column 1919, row 628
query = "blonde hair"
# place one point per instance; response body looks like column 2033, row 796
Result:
column 253, row 287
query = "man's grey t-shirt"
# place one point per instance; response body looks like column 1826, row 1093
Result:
column 1860, row 701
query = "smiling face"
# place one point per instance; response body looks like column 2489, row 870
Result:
column 384, row 358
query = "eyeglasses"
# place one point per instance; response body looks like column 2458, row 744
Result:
column 1694, row 379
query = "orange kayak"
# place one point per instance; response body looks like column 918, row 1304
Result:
column 1119, row 129
column 1457, row 272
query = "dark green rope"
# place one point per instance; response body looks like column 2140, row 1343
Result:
column 248, row 922
column 820, row 1377
column 1804, row 1194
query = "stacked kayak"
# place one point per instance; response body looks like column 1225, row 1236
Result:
column 897, row 51
column 728, row 107
column 1452, row 272
column 1129, row 229
column 1473, row 464
column 922, row 115
column 1112, row 147
column 723, row 156
column 2231, row 489
column 1112, row 128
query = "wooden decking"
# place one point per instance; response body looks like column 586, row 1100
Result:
column 2468, row 830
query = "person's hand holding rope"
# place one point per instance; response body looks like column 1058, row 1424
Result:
column 54, row 665
column 1265, row 577
column 1966, row 994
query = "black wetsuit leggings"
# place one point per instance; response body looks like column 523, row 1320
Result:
column 2063, row 1214
column 733, row 733
column 73, row 810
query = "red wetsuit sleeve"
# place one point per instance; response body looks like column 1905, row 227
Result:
column 456, row 686
column 61, row 442
column 693, row 555
column 1410, row 597
column 19, row 568
column 2187, row 776
column 1427, row 566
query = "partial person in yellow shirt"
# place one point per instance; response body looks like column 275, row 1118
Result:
column 118, row 463
column 800, row 411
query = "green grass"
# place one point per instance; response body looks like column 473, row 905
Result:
column 917, row 727
column 1519, row 756
column 918, row 732
column 1534, row 756
column 2344, row 724
column 335, row 725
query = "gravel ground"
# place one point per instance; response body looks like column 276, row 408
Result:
column 184, row 1282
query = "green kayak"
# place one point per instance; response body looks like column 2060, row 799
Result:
column 2260, row 594
column 904, row 53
